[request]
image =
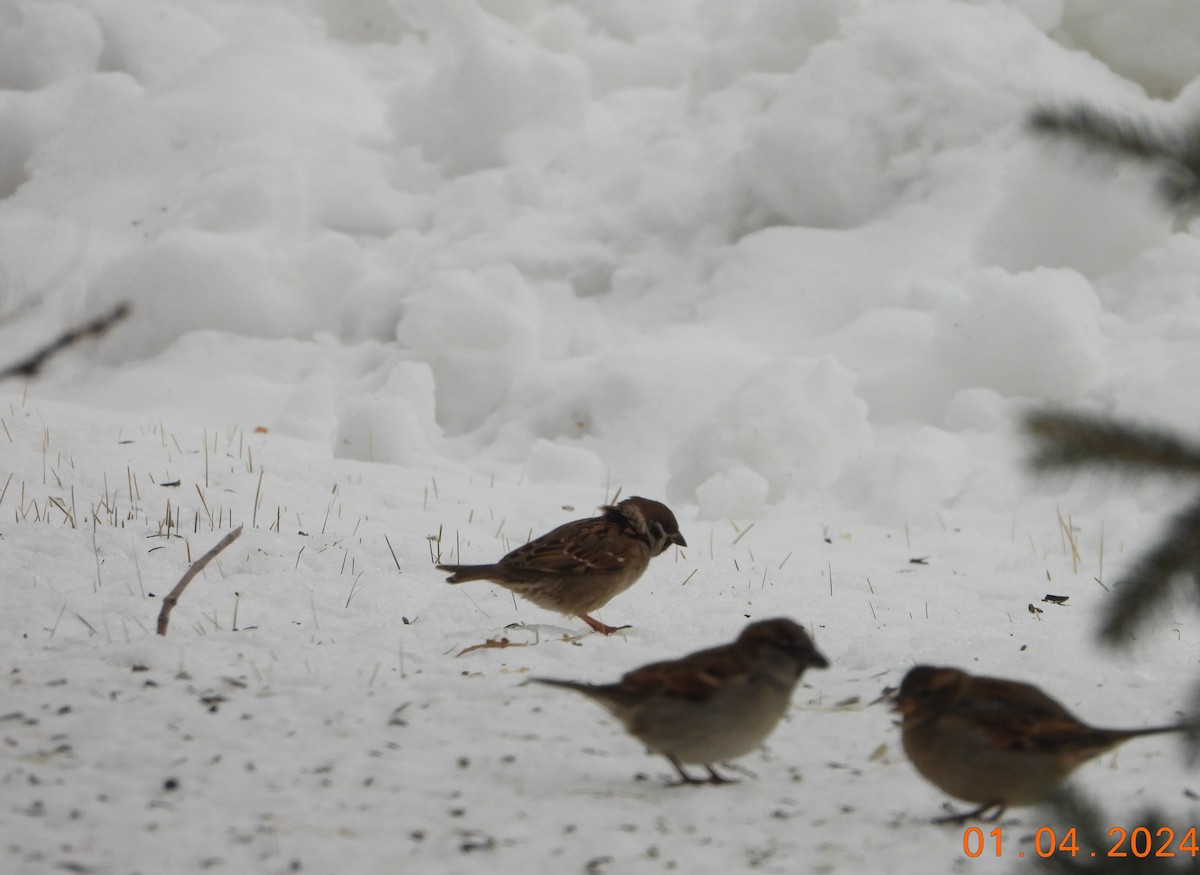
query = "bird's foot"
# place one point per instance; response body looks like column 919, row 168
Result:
column 715, row 777
column 600, row 627
column 686, row 780
column 979, row 813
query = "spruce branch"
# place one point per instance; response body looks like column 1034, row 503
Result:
column 1122, row 135
column 1064, row 442
column 1154, row 574
column 1068, row 442
column 1175, row 150
column 1096, row 840
column 1191, row 736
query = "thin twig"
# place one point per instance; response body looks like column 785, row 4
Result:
column 169, row 602
column 32, row 364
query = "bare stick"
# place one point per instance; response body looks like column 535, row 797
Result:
column 169, row 602
column 30, row 366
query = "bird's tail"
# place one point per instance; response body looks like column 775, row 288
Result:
column 1079, row 745
column 463, row 573
column 569, row 685
column 1158, row 730
column 611, row 696
column 1106, row 738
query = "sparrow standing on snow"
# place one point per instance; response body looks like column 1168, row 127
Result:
column 995, row 742
column 712, row 705
column 580, row 566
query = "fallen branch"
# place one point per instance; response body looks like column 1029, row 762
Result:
column 31, row 365
column 490, row 644
column 500, row 643
column 169, row 602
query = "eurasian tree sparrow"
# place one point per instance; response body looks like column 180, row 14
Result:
column 580, row 566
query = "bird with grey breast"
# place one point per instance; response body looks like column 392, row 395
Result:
column 712, row 705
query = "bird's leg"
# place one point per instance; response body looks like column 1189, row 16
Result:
column 1000, row 809
column 684, row 777
column 974, row 813
column 715, row 777
column 600, row 627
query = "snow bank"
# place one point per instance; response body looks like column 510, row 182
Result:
column 421, row 277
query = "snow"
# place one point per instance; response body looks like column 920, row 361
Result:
column 414, row 279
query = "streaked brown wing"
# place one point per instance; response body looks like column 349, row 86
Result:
column 692, row 677
column 592, row 546
column 1020, row 716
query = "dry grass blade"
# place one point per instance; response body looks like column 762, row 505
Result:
column 1067, row 441
column 393, row 552
column 169, row 602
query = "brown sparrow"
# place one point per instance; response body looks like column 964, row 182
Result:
column 580, row 566
column 712, row 705
column 995, row 742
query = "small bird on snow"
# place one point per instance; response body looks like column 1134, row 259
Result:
column 582, row 565
column 995, row 742
column 714, row 704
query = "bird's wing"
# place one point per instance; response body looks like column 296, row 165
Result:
column 693, row 677
column 1018, row 716
column 592, row 546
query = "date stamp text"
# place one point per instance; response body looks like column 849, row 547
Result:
column 1139, row 842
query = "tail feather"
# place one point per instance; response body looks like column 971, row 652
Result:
column 610, row 696
column 1107, row 738
column 1082, row 743
column 569, row 685
column 1157, row 730
column 463, row 573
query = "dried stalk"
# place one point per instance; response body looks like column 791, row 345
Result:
column 169, row 602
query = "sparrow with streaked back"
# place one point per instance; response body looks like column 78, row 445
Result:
column 582, row 565
column 714, row 704
column 995, row 742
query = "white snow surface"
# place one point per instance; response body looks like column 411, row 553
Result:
column 421, row 278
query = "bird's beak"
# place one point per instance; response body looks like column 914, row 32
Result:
column 817, row 660
column 677, row 538
column 903, row 707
